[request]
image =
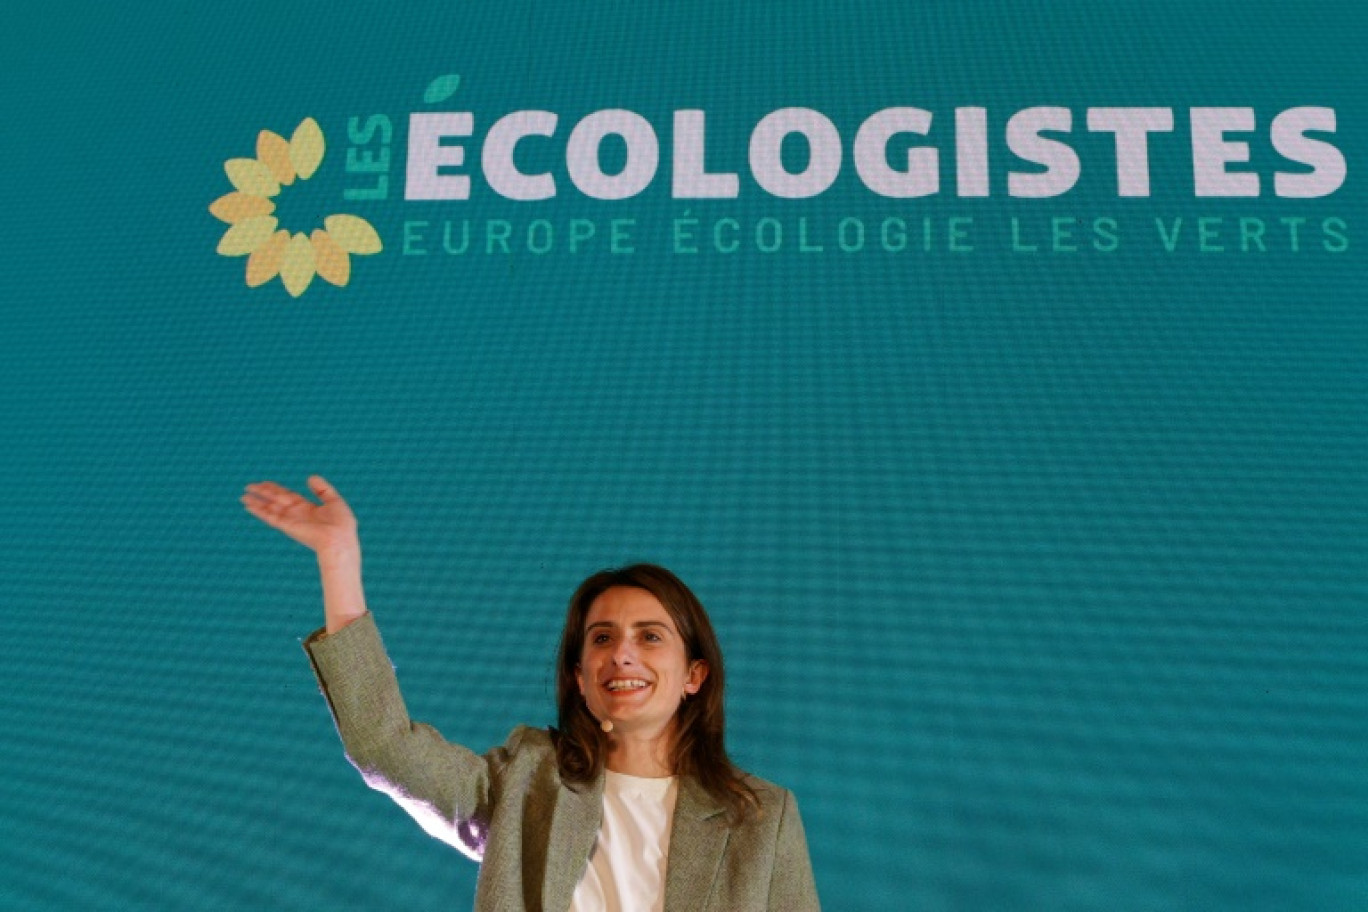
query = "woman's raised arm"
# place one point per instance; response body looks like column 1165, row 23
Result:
column 444, row 786
column 329, row 530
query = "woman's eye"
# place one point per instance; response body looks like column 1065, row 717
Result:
column 600, row 638
column 652, row 637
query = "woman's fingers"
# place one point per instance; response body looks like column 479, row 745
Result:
column 326, row 492
column 322, row 526
column 271, row 492
column 268, row 499
column 274, row 504
column 266, row 509
column 274, row 496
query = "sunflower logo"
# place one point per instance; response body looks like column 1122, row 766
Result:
column 253, row 231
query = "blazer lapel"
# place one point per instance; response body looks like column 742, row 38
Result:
column 573, row 828
column 697, row 841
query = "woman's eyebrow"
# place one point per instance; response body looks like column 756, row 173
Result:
column 612, row 625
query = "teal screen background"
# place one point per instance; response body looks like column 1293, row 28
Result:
column 1039, row 575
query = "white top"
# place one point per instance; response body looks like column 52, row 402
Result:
column 626, row 871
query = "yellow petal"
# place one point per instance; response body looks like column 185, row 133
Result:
column 306, row 148
column 332, row 262
column 264, row 263
column 353, row 234
column 297, row 265
column 247, row 235
column 234, row 207
column 274, row 152
column 251, row 177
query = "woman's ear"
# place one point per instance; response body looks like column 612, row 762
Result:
column 698, row 673
column 579, row 679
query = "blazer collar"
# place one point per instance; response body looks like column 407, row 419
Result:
column 698, row 837
column 574, row 828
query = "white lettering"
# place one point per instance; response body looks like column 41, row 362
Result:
column 824, row 160
column 426, row 154
column 496, row 158
column 971, row 151
column 1211, row 152
column 582, row 155
column 691, row 179
column 1327, row 162
column 1060, row 161
column 1132, row 127
column 921, row 178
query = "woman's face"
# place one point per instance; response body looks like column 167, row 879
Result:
column 634, row 669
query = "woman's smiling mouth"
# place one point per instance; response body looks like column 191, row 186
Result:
column 625, row 685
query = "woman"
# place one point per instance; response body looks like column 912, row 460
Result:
column 631, row 804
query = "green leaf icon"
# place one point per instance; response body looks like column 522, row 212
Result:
column 442, row 88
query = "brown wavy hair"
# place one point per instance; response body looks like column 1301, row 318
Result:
column 699, row 749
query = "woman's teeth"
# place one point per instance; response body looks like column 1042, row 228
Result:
column 626, row 684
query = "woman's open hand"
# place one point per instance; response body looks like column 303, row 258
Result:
column 327, row 528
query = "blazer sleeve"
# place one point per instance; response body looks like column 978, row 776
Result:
column 445, row 787
column 792, row 886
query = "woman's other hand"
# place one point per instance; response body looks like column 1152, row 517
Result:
column 326, row 528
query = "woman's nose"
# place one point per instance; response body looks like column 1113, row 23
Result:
column 624, row 653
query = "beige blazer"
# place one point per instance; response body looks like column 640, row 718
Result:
column 531, row 833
